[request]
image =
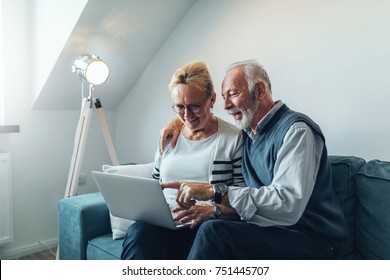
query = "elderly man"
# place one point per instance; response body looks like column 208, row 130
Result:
column 288, row 208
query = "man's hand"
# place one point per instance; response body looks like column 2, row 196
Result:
column 197, row 214
column 171, row 130
column 188, row 192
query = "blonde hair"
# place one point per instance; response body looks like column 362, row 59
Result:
column 195, row 74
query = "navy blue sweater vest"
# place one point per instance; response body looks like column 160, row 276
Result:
column 323, row 215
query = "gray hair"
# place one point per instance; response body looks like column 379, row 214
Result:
column 254, row 73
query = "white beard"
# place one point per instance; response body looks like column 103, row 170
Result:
column 247, row 115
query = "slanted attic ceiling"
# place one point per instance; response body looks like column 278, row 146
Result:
column 124, row 33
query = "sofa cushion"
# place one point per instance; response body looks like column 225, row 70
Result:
column 344, row 169
column 373, row 219
column 119, row 226
column 104, row 248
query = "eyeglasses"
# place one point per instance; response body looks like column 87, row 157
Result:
column 194, row 108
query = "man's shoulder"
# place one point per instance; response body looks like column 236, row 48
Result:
column 299, row 121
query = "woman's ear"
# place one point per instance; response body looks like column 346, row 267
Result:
column 213, row 99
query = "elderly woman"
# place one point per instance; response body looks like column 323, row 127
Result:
column 208, row 150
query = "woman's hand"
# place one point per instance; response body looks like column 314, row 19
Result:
column 171, row 130
column 197, row 213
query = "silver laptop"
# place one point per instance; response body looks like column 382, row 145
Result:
column 136, row 198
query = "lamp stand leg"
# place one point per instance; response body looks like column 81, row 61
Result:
column 106, row 132
column 79, row 147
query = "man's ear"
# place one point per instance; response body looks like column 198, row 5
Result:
column 260, row 89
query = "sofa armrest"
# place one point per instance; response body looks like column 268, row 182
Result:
column 80, row 219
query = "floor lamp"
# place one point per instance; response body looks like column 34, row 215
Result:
column 94, row 71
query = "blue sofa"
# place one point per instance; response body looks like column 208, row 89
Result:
column 363, row 189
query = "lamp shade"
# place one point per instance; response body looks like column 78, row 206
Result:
column 91, row 68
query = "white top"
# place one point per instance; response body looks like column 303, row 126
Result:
column 192, row 158
column 215, row 159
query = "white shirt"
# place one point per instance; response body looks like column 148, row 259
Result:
column 189, row 161
column 215, row 159
column 295, row 171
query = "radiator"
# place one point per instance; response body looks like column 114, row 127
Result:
column 6, row 234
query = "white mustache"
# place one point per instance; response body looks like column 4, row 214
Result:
column 234, row 111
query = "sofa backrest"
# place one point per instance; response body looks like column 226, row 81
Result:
column 373, row 210
column 363, row 190
column 344, row 169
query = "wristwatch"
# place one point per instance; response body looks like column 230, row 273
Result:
column 219, row 190
column 217, row 211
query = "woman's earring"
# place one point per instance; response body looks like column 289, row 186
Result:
column 211, row 110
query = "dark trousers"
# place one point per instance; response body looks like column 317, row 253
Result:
column 222, row 239
column 144, row 241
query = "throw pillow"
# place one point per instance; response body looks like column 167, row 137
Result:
column 119, row 226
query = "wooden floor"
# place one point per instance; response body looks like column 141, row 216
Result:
column 44, row 255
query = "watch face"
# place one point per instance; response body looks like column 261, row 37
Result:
column 220, row 188
column 217, row 211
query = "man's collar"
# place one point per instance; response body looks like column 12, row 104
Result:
column 265, row 119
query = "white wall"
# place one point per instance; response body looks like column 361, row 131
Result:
column 328, row 59
column 52, row 22
column 1, row 68
column 41, row 152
